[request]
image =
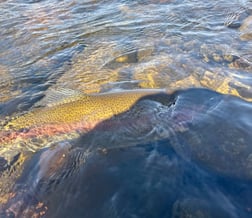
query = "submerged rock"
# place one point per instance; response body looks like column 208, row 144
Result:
column 218, row 136
column 246, row 29
column 234, row 19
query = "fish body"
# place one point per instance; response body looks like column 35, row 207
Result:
column 56, row 122
column 80, row 113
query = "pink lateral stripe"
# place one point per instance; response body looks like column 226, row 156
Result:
column 8, row 136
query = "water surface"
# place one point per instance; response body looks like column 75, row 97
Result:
column 199, row 164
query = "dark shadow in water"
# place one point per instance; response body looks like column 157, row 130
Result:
column 190, row 161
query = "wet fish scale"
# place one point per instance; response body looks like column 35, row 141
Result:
column 75, row 115
column 88, row 108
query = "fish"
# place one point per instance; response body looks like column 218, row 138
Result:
column 71, row 114
column 62, row 116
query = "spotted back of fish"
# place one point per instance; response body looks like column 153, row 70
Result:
column 89, row 108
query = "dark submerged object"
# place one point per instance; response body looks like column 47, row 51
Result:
column 183, row 154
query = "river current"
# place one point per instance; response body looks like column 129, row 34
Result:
column 184, row 154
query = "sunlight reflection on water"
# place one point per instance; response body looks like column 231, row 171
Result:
column 99, row 46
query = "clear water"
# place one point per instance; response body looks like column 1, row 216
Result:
column 200, row 165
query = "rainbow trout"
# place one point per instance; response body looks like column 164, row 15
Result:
column 63, row 119
column 66, row 115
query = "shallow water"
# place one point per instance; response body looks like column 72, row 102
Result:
column 168, row 156
column 191, row 157
column 104, row 45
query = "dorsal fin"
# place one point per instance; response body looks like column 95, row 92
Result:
column 59, row 96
